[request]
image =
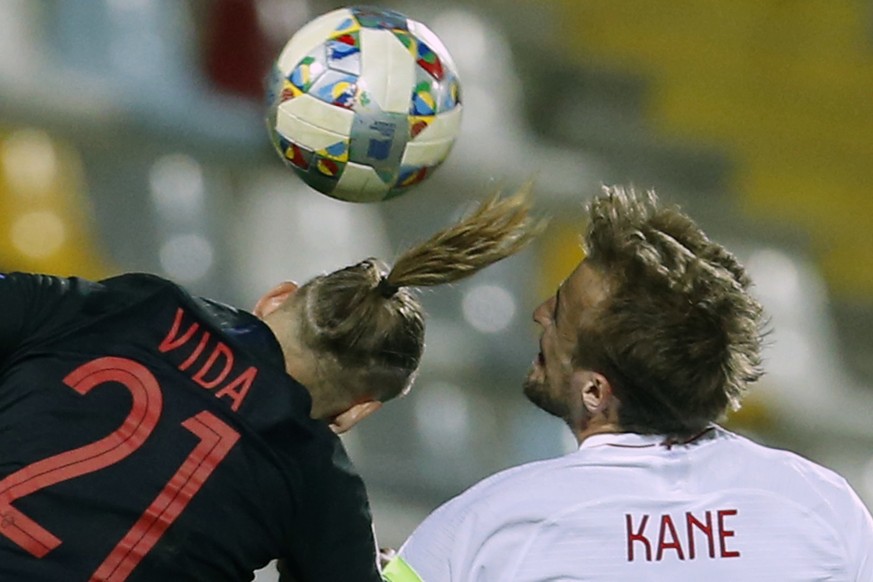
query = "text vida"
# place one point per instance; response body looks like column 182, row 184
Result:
column 209, row 362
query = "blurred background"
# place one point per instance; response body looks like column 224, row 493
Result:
column 132, row 139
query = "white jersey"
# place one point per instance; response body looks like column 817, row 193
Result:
column 626, row 507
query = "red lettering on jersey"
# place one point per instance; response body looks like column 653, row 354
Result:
column 691, row 523
column 238, row 388
column 670, row 539
column 723, row 534
column 663, row 544
column 218, row 366
column 173, row 341
column 637, row 536
column 196, row 353
column 218, row 351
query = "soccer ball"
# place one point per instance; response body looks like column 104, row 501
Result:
column 363, row 103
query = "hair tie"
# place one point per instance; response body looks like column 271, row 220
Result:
column 386, row 289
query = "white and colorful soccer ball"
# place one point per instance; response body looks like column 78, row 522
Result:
column 364, row 103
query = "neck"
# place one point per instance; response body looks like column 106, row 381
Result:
column 582, row 433
column 300, row 363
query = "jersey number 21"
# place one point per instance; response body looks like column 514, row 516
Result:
column 216, row 440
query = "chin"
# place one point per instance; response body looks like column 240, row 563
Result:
column 537, row 392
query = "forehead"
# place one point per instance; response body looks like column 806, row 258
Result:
column 585, row 287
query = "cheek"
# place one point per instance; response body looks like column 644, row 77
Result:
column 557, row 364
column 561, row 353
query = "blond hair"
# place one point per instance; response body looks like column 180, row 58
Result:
column 364, row 321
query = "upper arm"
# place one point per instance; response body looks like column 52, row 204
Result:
column 442, row 546
column 479, row 535
column 428, row 549
column 341, row 544
column 859, row 535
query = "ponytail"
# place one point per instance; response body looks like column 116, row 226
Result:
column 365, row 317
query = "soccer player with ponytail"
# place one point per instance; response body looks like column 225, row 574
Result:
column 148, row 434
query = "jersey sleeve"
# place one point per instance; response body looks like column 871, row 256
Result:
column 341, row 542
column 478, row 535
column 441, row 547
column 429, row 548
column 34, row 305
column 859, row 537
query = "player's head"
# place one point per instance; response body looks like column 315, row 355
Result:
column 355, row 337
column 655, row 330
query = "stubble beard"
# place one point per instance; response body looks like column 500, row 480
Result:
column 537, row 391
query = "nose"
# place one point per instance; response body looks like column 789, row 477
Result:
column 543, row 313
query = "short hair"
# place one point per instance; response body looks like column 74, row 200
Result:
column 679, row 335
column 367, row 320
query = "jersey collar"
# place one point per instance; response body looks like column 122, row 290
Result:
column 631, row 440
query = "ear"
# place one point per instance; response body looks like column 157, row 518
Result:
column 593, row 388
column 353, row 415
column 272, row 299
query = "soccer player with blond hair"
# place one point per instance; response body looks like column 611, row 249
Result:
column 148, row 434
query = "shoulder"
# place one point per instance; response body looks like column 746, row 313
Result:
column 779, row 464
column 122, row 293
column 493, row 517
column 790, row 477
column 511, row 479
column 36, row 305
column 137, row 285
column 38, row 286
column 44, row 288
column 825, row 494
column 496, row 499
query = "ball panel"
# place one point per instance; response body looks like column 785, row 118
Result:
column 323, row 174
column 363, row 181
column 317, row 113
column 432, row 95
column 378, row 139
column 307, row 71
column 289, row 91
column 428, row 60
column 311, row 36
column 424, row 98
column 344, row 53
column 428, row 153
column 448, row 94
column 328, row 168
column 380, row 18
column 337, row 89
column 348, row 26
column 293, row 154
column 433, row 43
column 440, row 127
column 387, row 70
column 410, row 176
column 309, row 136
column 338, row 152
column 418, row 123
column 407, row 40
